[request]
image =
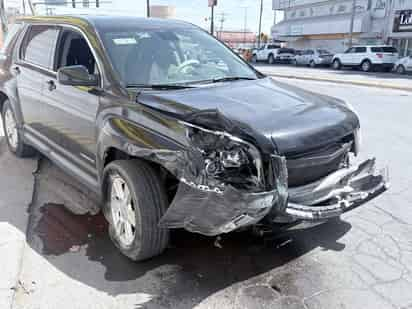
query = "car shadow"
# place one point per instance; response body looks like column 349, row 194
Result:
column 191, row 269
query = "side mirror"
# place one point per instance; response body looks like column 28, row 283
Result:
column 77, row 75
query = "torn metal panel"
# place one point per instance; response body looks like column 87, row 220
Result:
column 337, row 193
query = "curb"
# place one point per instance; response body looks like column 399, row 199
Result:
column 340, row 81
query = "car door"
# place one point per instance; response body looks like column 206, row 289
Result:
column 347, row 57
column 74, row 109
column 409, row 63
column 359, row 55
column 33, row 65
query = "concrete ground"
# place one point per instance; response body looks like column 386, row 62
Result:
column 64, row 259
column 343, row 76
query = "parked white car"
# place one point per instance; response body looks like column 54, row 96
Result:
column 367, row 58
column 265, row 53
column 314, row 57
column 404, row 65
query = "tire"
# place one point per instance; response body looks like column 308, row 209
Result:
column 336, row 64
column 13, row 134
column 271, row 59
column 148, row 203
column 366, row 66
column 312, row 64
column 254, row 59
column 400, row 69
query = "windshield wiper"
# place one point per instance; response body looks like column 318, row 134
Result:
column 226, row 79
column 160, row 86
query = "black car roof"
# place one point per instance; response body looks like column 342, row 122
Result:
column 108, row 21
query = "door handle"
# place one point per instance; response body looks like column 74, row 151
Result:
column 16, row 70
column 51, row 85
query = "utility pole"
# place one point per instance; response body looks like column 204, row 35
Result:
column 352, row 22
column 148, row 8
column 245, row 26
column 260, row 22
column 212, row 21
column 3, row 18
column 222, row 19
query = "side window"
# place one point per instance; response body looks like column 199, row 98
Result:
column 350, row 50
column 39, row 45
column 72, row 49
column 360, row 50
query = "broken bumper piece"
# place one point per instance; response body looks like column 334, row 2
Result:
column 337, row 193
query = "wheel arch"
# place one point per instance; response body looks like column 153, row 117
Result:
column 3, row 98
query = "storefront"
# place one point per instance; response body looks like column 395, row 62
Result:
column 401, row 33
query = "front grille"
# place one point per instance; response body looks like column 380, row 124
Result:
column 318, row 163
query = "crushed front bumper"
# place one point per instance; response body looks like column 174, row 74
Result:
column 337, row 193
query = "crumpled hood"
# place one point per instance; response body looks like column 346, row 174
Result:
column 295, row 120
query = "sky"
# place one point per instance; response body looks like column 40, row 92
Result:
column 196, row 11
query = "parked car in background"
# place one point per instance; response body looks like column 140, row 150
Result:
column 265, row 53
column 404, row 65
column 367, row 58
column 283, row 55
column 314, row 57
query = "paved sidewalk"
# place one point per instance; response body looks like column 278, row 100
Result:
column 344, row 76
column 16, row 187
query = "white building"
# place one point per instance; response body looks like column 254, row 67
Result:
column 326, row 23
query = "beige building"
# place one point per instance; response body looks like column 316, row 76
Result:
column 163, row 11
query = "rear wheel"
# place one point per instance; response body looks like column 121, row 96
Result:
column 336, row 64
column 400, row 69
column 12, row 133
column 366, row 66
column 135, row 202
column 312, row 64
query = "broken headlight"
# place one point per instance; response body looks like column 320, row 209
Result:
column 226, row 158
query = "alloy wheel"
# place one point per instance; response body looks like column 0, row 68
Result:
column 123, row 209
column 400, row 69
column 366, row 66
column 11, row 129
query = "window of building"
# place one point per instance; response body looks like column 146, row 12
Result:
column 302, row 13
column 341, row 8
column 39, row 45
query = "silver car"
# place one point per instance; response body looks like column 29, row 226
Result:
column 404, row 65
column 314, row 57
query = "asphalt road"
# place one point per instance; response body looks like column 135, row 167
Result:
column 362, row 261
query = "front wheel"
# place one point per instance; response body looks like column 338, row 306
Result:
column 336, row 64
column 135, row 201
column 312, row 64
column 13, row 135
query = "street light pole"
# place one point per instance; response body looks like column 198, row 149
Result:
column 260, row 22
column 352, row 22
column 148, row 8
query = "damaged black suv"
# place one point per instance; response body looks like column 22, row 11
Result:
column 171, row 129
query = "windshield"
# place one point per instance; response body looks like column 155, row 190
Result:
column 171, row 56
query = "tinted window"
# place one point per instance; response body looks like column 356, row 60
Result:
column 360, row 50
column 74, row 50
column 350, row 50
column 323, row 52
column 271, row 46
column 10, row 37
column 39, row 45
column 286, row 51
column 384, row 49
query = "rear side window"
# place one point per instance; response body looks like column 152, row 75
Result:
column 360, row 50
column 384, row 49
column 39, row 45
column 271, row 46
column 11, row 36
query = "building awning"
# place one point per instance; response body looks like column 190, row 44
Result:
column 321, row 25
